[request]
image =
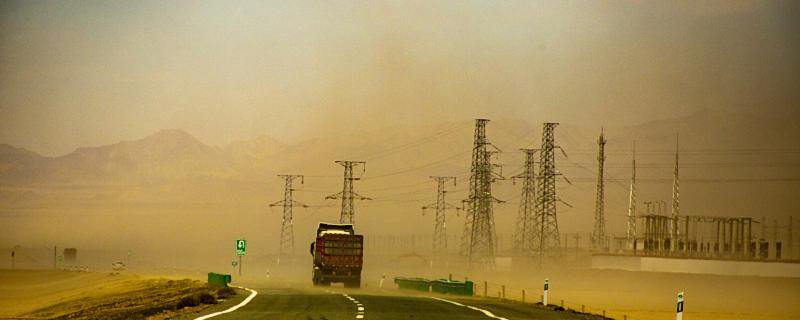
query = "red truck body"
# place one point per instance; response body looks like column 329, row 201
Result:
column 338, row 255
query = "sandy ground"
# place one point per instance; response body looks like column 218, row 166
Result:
column 48, row 294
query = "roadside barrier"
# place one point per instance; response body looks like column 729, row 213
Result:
column 74, row 268
column 219, row 280
column 464, row 288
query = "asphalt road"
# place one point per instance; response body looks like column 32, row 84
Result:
column 338, row 303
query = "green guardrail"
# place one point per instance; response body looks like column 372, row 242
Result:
column 419, row 284
column 219, row 280
column 464, row 288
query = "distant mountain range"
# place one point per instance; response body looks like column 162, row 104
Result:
column 173, row 155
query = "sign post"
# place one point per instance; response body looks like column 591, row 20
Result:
column 679, row 310
column 241, row 250
column 546, row 288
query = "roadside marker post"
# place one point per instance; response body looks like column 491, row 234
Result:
column 679, row 309
column 380, row 284
column 546, row 288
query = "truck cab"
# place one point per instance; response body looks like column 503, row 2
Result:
column 338, row 255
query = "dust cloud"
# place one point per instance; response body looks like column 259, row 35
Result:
column 152, row 133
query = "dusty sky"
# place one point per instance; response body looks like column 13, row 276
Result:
column 88, row 73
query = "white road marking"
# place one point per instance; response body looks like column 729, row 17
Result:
column 247, row 300
column 359, row 306
column 485, row 312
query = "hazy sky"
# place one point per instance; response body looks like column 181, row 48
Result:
column 76, row 73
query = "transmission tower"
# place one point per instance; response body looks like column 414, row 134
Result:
column 440, row 230
column 523, row 237
column 287, row 232
column 599, row 234
column 479, row 232
column 546, row 238
column 631, row 233
column 347, row 194
column 675, row 202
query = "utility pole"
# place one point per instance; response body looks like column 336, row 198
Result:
column 523, row 238
column 286, row 246
column 775, row 234
column 347, row 194
column 440, row 229
column 479, row 232
column 546, row 237
column 599, row 234
column 631, row 233
column 673, row 242
column 791, row 241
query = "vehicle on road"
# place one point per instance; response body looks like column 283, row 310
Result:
column 338, row 255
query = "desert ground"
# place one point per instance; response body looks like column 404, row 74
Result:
column 49, row 294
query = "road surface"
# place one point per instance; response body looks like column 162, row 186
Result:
column 340, row 304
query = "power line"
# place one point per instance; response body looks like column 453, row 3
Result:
column 599, row 240
column 286, row 246
column 440, row 227
column 347, row 194
column 479, row 232
column 523, row 237
column 546, row 240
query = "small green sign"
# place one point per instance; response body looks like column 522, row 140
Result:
column 241, row 247
column 234, row 263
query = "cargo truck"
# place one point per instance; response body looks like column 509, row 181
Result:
column 338, row 255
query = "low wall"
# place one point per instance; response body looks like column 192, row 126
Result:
column 701, row 266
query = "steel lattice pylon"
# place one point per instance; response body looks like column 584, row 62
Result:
column 675, row 202
column 599, row 241
column 440, row 229
column 546, row 241
column 631, row 230
column 523, row 236
column 347, row 194
column 479, row 232
column 287, row 232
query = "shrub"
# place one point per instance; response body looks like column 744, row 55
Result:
column 206, row 298
column 224, row 293
column 190, row 301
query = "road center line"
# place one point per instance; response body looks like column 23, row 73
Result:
column 485, row 312
column 247, row 300
column 359, row 306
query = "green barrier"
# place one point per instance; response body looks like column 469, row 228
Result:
column 419, row 284
column 219, row 280
column 452, row 287
column 439, row 286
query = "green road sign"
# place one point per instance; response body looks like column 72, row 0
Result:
column 241, row 247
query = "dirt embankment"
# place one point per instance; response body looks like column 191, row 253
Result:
column 73, row 295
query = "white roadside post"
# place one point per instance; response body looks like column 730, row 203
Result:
column 380, row 284
column 679, row 310
column 546, row 288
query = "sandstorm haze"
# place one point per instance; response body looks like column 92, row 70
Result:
column 160, row 127
column 79, row 74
